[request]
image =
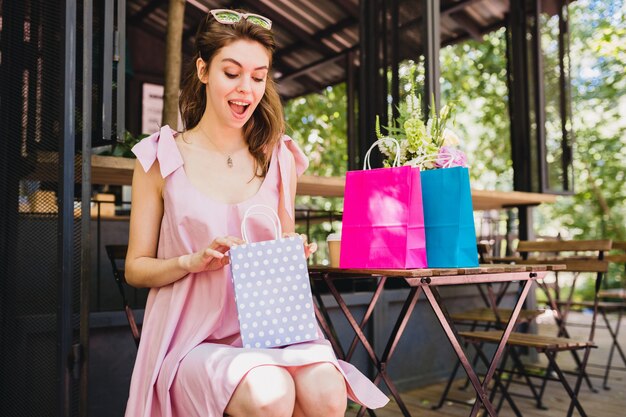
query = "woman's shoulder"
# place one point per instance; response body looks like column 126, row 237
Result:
column 290, row 154
column 159, row 147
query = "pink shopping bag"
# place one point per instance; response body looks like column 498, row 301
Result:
column 383, row 218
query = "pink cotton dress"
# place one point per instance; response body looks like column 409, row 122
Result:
column 190, row 358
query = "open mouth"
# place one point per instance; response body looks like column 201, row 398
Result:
column 238, row 107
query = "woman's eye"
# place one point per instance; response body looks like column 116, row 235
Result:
column 229, row 75
column 258, row 79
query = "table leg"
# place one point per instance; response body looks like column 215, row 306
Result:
column 321, row 313
column 380, row 365
column 394, row 338
column 442, row 315
column 432, row 295
column 329, row 330
column 322, row 316
column 370, row 309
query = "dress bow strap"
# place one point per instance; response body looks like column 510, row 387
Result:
column 287, row 149
column 159, row 146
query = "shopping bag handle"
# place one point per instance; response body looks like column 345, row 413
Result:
column 274, row 219
column 396, row 161
column 433, row 158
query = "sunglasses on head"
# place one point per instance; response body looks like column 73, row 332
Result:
column 230, row 17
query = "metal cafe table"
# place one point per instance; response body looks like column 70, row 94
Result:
column 427, row 281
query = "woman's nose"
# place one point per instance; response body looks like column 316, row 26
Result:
column 244, row 85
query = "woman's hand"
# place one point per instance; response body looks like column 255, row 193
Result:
column 212, row 257
column 309, row 248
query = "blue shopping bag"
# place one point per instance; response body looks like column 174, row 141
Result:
column 449, row 218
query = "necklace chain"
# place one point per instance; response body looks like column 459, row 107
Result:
column 229, row 159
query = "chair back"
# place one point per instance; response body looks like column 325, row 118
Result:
column 578, row 256
column 117, row 257
column 618, row 255
column 619, row 245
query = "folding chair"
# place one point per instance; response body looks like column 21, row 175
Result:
column 567, row 253
column 484, row 318
column 117, row 256
column 618, row 307
column 604, row 308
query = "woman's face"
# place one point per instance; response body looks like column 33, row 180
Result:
column 235, row 82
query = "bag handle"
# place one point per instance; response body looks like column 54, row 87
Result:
column 274, row 219
column 396, row 161
column 430, row 158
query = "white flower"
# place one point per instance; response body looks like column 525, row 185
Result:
column 389, row 149
column 444, row 112
column 413, row 105
column 415, row 162
column 450, row 138
column 387, row 146
column 429, row 128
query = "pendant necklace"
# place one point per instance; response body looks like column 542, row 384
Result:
column 229, row 159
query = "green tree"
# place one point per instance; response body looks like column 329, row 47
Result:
column 318, row 123
column 598, row 52
column 473, row 75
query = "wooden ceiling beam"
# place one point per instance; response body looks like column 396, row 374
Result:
column 459, row 6
column 315, row 65
column 322, row 34
column 144, row 12
column 310, row 84
column 348, row 7
column 446, row 11
column 330, row 30
column 288, row 26
column 468, row 25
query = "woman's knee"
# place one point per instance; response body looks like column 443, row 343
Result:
column 266, row 391
column 320, row 390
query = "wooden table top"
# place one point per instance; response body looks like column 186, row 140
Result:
column 437, row 272
column 445, row 276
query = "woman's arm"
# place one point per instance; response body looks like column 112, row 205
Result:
column 143, row 268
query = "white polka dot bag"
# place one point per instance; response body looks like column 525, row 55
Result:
column 272, row 288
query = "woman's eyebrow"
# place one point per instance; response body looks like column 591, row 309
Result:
column 239, row 65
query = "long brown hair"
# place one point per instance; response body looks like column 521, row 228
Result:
column 266, row 125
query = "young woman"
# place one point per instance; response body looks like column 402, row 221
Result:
column 190, row 191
